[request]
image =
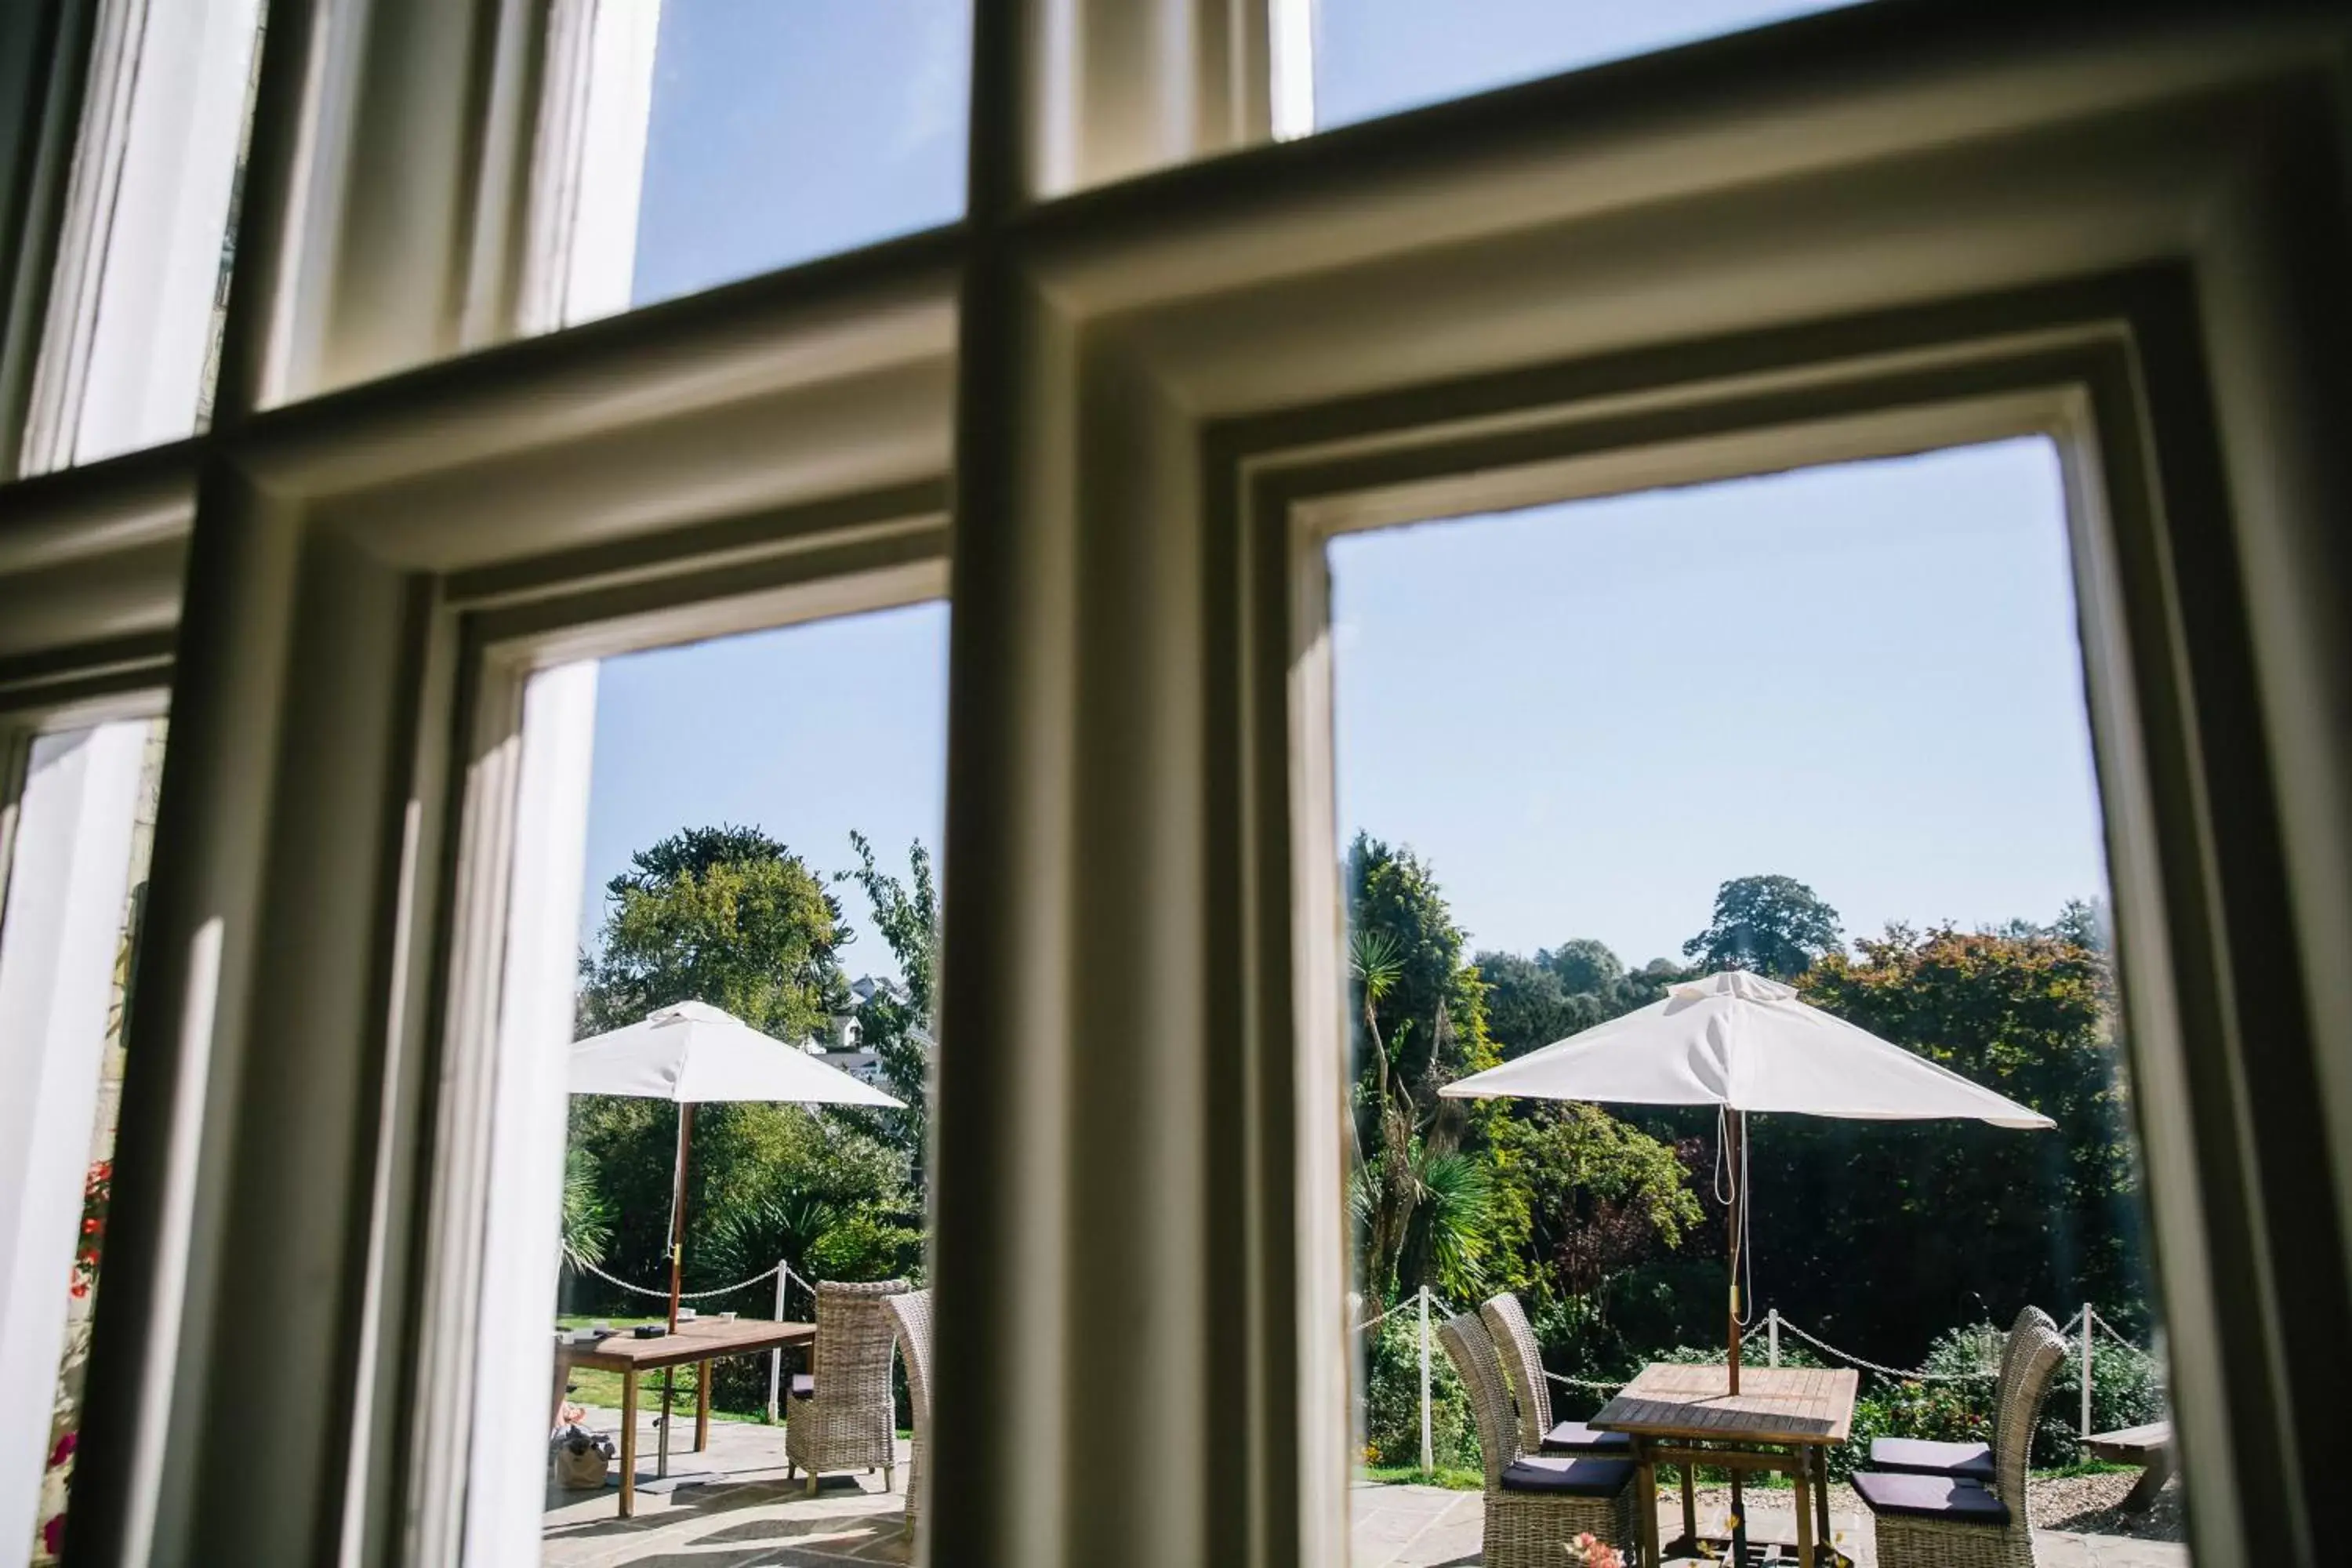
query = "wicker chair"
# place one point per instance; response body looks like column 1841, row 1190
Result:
column 1535, row 1504
column 911, row 1313
column 841, row 1414
column 1515, row 1344
column 1918, row 1456
column 1952, row 1522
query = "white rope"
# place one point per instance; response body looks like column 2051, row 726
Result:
column 1899, row 1373
column 2113, row 1333
column 1585, row 1382
column 769, row 1273
column 1382, row 1317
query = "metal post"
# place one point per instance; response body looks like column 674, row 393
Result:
column 2087, row 1369
column 776, row 1356
column 1427, row 1464
column 1772, row 1337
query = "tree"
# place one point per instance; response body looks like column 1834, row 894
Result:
column 1602, row 1196
column 1421, row 1188
column 1526, row 1006
column 898, row 1024
column 1772, row 925
column 1963, row 1221
column 1586, row 967
column 723, row 915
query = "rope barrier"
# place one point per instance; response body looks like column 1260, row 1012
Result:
column 1378, row 1318
column 1585, row 1382
column 1900, row 1375
column 769, row 1273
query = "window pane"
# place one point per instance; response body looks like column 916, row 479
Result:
column 1376, row 57
column 129, row 344
column 76, row 888
column 725, row 138
column 750, row 1024
column 1665, row 808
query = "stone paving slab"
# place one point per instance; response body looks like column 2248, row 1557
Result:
column 752, row 1517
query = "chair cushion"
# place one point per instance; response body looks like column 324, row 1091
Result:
column 1948, row 1499
column 804, row 1385
column 1918, row 1456
column 1569, row 1476
column 1576, row 1437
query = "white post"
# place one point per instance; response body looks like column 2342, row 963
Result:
column 776, row 1356
column 1772, row 1337
column 2087, row 1369
column 1426, row 1462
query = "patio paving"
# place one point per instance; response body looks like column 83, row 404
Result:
column 753, row 1517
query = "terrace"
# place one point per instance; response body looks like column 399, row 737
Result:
column 752, row 1517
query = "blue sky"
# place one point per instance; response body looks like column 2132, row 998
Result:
column 1376, row 57
column 1586, row 716
column 785, row 129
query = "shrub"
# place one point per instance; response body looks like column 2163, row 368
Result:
column 1392, row 1399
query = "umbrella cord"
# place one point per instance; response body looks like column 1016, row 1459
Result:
column 1722, row 1171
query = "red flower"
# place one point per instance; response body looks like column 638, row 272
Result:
column 53, row 1536
column 92, row 1226
column 66, row 1443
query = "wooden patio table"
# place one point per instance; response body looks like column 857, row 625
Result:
column 1783, row 1418
column 697, row 1343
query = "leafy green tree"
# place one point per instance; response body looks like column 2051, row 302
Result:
column 899, row 1025
column 1586, row 967
column 1603, row 1195
column 1772, row 925
column 1526, row 1006
column 1961, row 1220
column 723, row 915
column 1422, row 1196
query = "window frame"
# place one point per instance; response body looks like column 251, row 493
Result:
column 1098, row 353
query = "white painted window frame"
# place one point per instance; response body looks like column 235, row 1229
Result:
column 1133, row 376
column 132, row 317
column 60, row 936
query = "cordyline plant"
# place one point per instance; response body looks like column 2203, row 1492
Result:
column 1419, row 1174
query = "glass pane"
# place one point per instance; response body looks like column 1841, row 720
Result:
column 725, row 138
column 1376, row 57
column 778, row 898
column 1728, row 825
column 131, row 340
column 65, row 962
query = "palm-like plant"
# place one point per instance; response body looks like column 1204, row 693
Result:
column 1420, row 1198
column 587, row 1218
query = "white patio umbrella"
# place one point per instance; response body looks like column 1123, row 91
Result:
column 694, row 1052
column 1741, row 1043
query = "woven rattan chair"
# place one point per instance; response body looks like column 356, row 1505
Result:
column 1515, row 1344
column 841, row 1415
column 911, row 1314
column 1918, row 1456
column 1953, row 1522
column 1535, row 1504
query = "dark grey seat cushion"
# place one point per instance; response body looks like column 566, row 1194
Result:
column 804, row 1385
column 1918, row 1456
column 1569, row 1476
column 1576, row 1437
column 1948, row 1499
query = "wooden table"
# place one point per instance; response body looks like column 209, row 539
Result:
column 697, row 1343
column 2149, row 1447
column 1784, row 1418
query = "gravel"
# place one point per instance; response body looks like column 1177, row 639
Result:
column 2082, row 1505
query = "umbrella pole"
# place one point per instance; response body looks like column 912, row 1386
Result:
column 678, row 1209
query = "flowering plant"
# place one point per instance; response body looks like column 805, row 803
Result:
column 1588, row 1551
column 97, row 1192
